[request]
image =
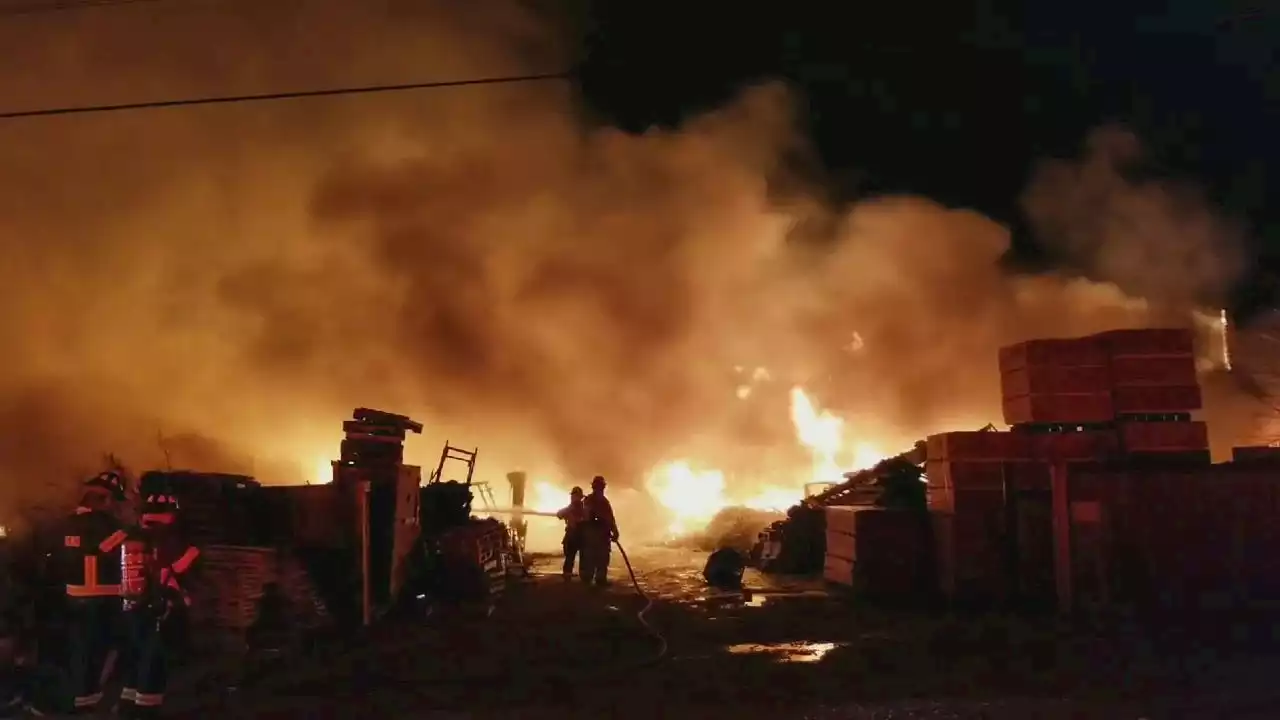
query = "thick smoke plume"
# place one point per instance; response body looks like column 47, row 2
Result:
column 560, row 294
column 1157, row 238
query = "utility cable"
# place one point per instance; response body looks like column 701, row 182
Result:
column 276, row 96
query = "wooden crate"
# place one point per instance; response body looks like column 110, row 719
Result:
column 842, row 545
column 1175, row 371
column 894, row 554
column 1056, row 409
column 1154, row 342
column 838, row 571
column 841, row 518
column 312, row 515
column 980, row 445
column 1054, row 380
column 1080, row 445
column 228, row 583
column 1063, row 352
column 993, row 476
column 970, row 559
column 1160, row 437
column 1256, row 454
column 1155, row 400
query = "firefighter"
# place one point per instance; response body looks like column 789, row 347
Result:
column 599, row 531
column 92, row 538
column 154, row 560
column 573, row 514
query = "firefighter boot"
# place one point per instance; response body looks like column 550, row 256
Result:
column 126, row 707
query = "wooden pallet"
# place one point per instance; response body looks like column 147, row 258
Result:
column 229, row 583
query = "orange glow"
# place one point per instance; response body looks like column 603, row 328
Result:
column 691, row 493
column 324, row 471
column 545, row 497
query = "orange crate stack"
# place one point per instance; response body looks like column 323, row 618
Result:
column 1153, row 372
column 967, row 474
column 1183, row 441
column 1086, row 445
column 1055, row 381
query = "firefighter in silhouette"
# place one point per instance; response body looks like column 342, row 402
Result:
column 154, row 559
column 599, row 531
column 573, row 514
column 91, row 540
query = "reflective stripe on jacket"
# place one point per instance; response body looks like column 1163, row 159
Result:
column 89, row 545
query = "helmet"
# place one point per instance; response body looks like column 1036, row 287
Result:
column 107, row 482
column 597, row 482
column 575, row 492
column 159, row 509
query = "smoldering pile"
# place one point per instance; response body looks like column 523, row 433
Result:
column 732, row 527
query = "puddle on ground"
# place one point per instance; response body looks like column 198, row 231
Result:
column 796, row 652
column 751, row 599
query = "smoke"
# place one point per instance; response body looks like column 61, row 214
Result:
column 563, row 295
column 1157, row 238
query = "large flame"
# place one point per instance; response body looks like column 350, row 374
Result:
column 546, row 497
column 692, row 496
column 692, row 493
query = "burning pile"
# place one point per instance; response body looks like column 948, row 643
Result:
column 700, row 503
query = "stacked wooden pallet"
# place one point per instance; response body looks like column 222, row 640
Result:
column 842, row 544
column 1120, row 396
column 229, row 583
column 883, row 553
column 1139, row 384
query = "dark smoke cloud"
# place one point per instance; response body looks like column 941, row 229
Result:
column 560, row 294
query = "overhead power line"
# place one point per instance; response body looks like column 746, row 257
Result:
column 64, row 5
column 268, row 97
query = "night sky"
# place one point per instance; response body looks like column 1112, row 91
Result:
column 956, row 100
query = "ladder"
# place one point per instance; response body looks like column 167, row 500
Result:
column 485, row 493
column 453, row 453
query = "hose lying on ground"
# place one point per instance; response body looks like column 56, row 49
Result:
column 648, row 605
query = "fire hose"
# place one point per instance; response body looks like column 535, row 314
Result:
column 635, row 583
column 648, row 605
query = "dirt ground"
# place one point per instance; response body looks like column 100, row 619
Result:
column 551, row 649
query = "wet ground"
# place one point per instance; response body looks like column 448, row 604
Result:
column 556, row 649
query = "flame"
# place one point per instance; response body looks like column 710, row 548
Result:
column 324, row 471
column 820, row 432
column 692, row 497
column 546, row 497
column 691, row 494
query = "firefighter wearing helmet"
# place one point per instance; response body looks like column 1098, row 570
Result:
column 92, row 537
column 599, row 531
column 153, row 561
column 573, row 515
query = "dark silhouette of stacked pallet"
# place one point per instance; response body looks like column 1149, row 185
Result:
column 229, row 582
